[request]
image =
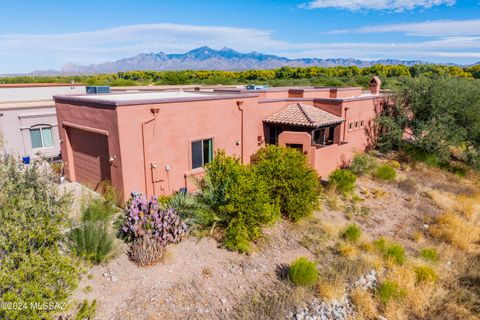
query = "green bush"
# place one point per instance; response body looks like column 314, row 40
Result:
column 92, row 238
column 389, row 290
column 92, row 241
column 362, row 163
column 393, row 251
column 33, row 215
column 235, row 199
column 385, row 172
column 352, row 233
column 291, row 181
column 342, row 180
column 425, row 274
column 303, row 272
column 428, row 254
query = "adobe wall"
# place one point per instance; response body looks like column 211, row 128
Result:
column 168, row 139
column 94, row 119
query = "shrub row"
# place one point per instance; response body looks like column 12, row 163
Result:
column 241, row 199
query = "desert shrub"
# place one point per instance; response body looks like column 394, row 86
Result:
column 303, row 272
column 57, row 167
column 385, row 172
column 92, row 240
column 391, row 251
column 352, row 233
column 362, row 163
column 389, row 290
column 291, row 181
column 146, row 251
column 425, row 274
column 33, row 215
column 428, row 254
column 236, row 200
column 395, row 252
column 342, row 180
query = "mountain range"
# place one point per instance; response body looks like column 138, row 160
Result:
column 206, row 58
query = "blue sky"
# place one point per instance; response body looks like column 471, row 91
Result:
column 40, row 35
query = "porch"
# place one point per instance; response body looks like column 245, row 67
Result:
column 313, row 131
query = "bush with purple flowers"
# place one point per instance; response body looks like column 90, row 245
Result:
column 147, row 218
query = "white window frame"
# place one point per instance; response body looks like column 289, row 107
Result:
column 41, row 128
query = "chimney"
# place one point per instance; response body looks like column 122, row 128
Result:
column 333, row 93
column 374, row 85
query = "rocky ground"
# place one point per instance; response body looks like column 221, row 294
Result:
column 200, row 280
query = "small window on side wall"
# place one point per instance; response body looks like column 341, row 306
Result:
column 350, row 125
column 202, row 153
column 361, row 123
column 41, row 137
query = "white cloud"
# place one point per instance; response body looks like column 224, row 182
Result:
column 27, row 52
column 429, row 28
column 389, row 5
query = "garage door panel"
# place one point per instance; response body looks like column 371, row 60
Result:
column 90, row 157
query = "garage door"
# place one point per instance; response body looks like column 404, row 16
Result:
column 90, row 157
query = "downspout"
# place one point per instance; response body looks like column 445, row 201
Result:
column 345, row 126
column 239, row 106
column 154, row 112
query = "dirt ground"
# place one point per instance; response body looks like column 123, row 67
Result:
column 200, row 280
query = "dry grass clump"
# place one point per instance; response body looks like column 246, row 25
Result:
column 378, row 193
column 455, row 230
column 333, row 199
column 271, row 303
column 408, row 185
column 443, row 200
column 468, row 207
column 146, row 251
column 460, row 298
column 329, row 290
column 313, row 233
column 402, row 295
column 347, row 250
column 365, row 304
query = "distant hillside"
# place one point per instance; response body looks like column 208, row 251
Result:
column 205, row 58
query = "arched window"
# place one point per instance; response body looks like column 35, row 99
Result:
column 41, row 136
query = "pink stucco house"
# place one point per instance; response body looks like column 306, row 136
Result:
column 156, row 142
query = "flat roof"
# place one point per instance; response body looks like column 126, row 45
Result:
column 136, row 98
column 132, row 96
column 34, row 85
column 26, row 104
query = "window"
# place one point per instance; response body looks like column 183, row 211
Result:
column 41, row 137
column 361, row 123
column 350, row 125
column 202, row 153
column 356, row 124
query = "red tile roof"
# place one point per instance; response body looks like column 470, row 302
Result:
column 303, row 115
